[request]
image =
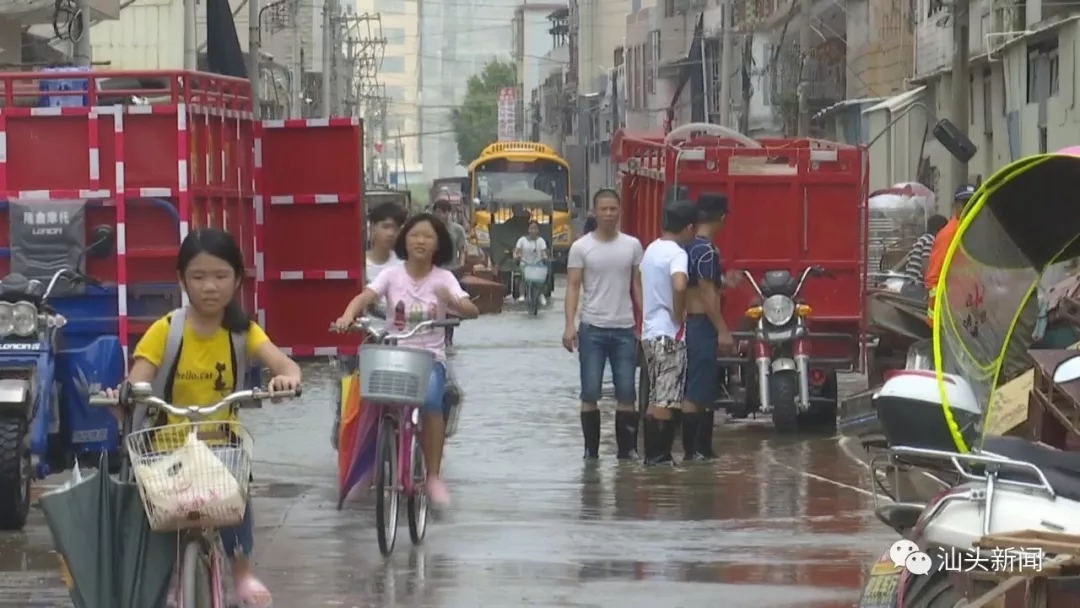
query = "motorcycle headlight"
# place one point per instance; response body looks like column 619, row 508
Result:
column 7, row 319
column 778, row 309
column 24, row 319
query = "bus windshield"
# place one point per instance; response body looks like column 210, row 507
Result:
column 546, row 176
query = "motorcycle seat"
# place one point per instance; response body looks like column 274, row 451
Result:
column 1061, row 468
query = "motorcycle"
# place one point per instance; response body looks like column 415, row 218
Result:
column 781, row 345
column 46, row 422
column 1007, row 485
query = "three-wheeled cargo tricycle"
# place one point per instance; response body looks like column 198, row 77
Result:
column 512, row 210
column 795, row 226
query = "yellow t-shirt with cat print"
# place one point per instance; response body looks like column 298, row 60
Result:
column 204, row 374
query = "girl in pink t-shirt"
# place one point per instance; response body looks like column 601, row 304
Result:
column 418, row 291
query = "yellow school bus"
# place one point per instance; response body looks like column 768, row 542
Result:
column 515, row 166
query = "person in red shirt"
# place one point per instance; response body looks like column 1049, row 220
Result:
column 942, row 243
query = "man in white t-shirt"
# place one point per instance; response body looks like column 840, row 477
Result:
column 602, row 273
column 664, row 279
column 384, row 223
column 531, row 249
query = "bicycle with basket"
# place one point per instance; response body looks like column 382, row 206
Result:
column 194, row 478
column 534, row 278
column 395, row 379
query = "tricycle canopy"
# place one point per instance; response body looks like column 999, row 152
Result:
column 1019, row 224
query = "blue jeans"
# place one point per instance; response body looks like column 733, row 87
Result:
column 433, row 402
column 239, row 540
column 596, row 347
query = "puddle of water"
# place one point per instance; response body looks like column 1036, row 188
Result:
column 533, row 525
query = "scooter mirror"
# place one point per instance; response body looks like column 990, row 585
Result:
column 1068, row 370
column 102, row 243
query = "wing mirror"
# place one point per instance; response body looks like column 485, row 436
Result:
column 1068, row 370
column 102, row 242
column 953, row 140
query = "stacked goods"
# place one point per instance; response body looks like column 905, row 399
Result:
column 487, row 294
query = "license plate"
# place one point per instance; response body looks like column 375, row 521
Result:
column 882, row 584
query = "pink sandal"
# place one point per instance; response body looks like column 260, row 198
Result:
column 253, row 593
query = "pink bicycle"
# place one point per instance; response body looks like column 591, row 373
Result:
column 395, row 380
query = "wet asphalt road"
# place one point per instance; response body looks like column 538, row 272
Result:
column 776, row 522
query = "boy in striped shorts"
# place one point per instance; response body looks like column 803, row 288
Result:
column 664, row 278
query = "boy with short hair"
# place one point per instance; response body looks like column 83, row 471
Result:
column 664, row 278
column 384, row 222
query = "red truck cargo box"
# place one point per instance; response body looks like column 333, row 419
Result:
column 792, row 203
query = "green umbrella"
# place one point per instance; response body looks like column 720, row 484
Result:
column 114, row 559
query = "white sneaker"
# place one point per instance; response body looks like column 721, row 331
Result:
column 521, row 298
column 543, row 301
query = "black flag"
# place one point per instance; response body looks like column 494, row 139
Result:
column 223, row 53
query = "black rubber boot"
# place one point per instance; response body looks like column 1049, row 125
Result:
column 590, row 430
column 705, row 433
column 626, row 431
column 690, row 424
column 659, row 435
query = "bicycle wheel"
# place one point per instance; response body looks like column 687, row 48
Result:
column 534, row 298
column 386, row 484
column 418, row 502
column 195, row 574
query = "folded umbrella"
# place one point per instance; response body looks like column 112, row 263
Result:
column 113, row 558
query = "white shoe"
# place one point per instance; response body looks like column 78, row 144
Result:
column 521, row 299
column 543, row 301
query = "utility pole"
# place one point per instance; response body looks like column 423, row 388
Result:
column 328, row 40
column 804, row 67
column 961, row 79
column 384, row 135
column 81, row 46
column 191, row 56
column 747, row 64
column 726, row 51
column 297, row 55
column 254, row 65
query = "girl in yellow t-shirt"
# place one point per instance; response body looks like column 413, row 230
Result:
column 209, row 267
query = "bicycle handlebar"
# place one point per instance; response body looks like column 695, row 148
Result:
column 365, row 324
column 141, row 393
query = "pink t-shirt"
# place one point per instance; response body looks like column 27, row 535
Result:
column 410, row 302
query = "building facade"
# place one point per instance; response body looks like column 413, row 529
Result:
column 532, row 44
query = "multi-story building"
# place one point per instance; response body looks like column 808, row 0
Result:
column 459, row 37
column 1018, row 104
column 399, row 75
column 146, row 36
column 532, row 44
column 149, row 35
column 26, row 27
column 554, row 117
column 880, row 47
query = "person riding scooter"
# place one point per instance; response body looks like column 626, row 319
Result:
column 531, row 249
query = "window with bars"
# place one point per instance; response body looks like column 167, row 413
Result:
column 1043, row 71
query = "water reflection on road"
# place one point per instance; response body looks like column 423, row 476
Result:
column 531, row 524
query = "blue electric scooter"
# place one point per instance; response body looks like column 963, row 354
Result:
column 46, row 422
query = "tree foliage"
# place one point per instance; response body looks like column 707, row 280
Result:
column 476, row 121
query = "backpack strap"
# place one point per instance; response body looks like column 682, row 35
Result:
column 170, row 358
column 238, row 342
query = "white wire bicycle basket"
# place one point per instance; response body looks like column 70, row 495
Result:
column 395, row 375
column 192, row 474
